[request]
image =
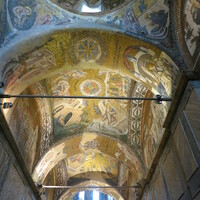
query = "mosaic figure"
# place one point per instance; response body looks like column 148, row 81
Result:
column 159, row 23
column 151, row 20
column 90, row 162
column 22, row 13
column 192, row 26
column 37, row 62
column 130, row 23
column 153, row 131
column 151, row 69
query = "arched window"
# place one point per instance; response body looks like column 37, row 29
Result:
column 91, row 195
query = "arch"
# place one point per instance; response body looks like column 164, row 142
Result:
column 87, row 142
column 91, row 162
column 111, row 192
column 56, row 56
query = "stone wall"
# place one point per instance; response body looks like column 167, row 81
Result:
column 177, row 175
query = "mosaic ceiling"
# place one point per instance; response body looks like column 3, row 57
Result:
column 91, row 142
column 103, row 116
column 148, row 18
column 91, row 162
column 88, row 139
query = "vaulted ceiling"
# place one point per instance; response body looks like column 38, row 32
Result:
column 116, row 48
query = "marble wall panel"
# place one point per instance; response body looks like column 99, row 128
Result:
column 172, row 179
column 160, row 188
column 13, row 187
column 186, row 196
column 184, row 152
column 4, row 164
column 180, row 160
column 197, row 196
column 192, row 111
column 194, row 183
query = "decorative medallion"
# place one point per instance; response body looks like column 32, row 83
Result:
column 87, row 47
column 90, row 88
column 87, row 50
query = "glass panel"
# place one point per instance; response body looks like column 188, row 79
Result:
column 81, row 195
column 95, row 195
column 91, row 195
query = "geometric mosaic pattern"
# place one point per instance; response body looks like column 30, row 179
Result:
column 135, row 118
column 45, row 109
